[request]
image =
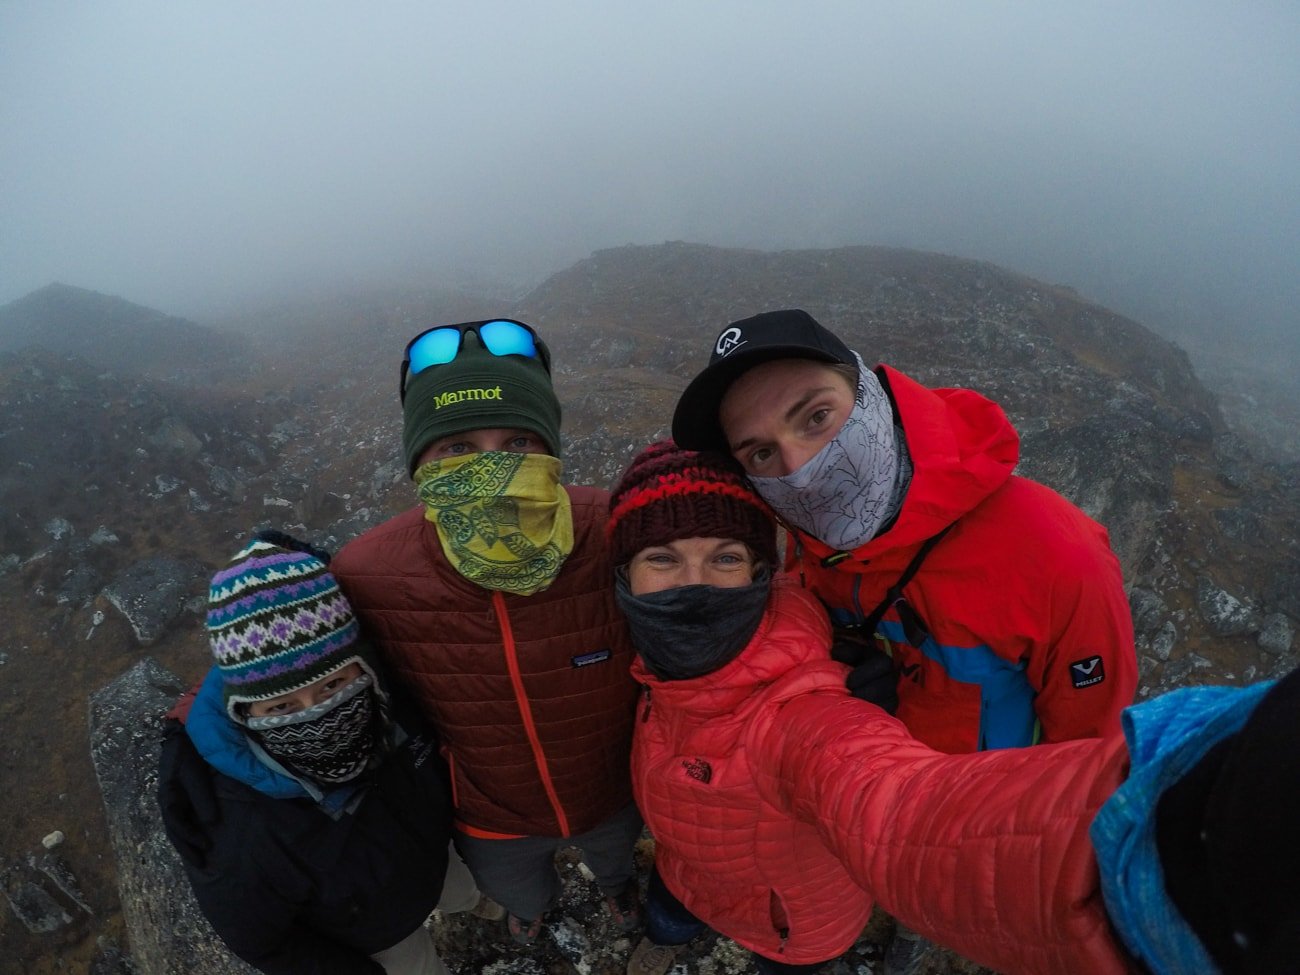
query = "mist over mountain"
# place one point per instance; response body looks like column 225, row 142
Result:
column 137, row 449
column 111, row 333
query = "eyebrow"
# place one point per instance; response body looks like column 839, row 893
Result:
column 795, row 408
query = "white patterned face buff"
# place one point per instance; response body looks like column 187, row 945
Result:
column 851, row 488
column 330, row 742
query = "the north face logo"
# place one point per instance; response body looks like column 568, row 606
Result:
column 728, row 342
column 698, row 769
column 1085, row 673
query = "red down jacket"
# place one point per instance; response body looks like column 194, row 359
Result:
column 1028, row 634
column 530, row 695
column 781, row 807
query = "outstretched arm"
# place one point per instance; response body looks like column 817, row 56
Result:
column 985, row 853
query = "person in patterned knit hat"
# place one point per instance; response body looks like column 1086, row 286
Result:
column 782, row 807
column 309, row 805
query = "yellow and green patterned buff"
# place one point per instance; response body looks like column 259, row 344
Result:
column 504, row 519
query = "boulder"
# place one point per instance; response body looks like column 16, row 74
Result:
column 1276, row 635
column 1148, row 610
column 174, row 436
column 1225, row 614
column 167, row 931
column 1162, row 644
column 151, row 593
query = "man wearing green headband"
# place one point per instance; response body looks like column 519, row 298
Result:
column 492, row 601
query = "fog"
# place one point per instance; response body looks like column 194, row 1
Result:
column 195, row 155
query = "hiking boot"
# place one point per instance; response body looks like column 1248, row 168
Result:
column 624, row 908
column 905, row 953
column 488, row 909
column 523, row 932
column 651, row 959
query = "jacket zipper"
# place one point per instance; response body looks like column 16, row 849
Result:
column 526, row 711
column 780, row 919
column 645, row 712
column 451, row 772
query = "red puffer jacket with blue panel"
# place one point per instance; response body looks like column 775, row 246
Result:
column 1016, row 628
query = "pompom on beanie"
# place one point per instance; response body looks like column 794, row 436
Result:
column 668, row 493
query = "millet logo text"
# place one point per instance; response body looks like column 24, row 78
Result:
column 461, row 395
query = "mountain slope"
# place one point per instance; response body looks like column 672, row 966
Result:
column 112, row 333
column 112, row 483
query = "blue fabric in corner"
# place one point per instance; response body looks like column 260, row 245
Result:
column 1166, row 737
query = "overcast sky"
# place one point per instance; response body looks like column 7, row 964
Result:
column 188, row 155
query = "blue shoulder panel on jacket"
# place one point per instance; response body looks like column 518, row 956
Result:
column 225, row 746
column 1007, row 718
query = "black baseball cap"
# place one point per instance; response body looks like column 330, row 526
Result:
column 788, row 334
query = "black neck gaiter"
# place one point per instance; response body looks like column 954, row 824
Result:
column 692, row 630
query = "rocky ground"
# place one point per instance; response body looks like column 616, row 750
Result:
column 121, row 491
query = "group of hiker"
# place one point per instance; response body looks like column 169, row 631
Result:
column 823, row 644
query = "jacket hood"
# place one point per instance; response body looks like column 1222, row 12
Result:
column 963, row 448
column 794, row 634
column 225, row 746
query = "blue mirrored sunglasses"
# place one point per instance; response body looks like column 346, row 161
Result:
column 441, row 344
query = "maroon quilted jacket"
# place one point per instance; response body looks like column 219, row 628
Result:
column 530, row 695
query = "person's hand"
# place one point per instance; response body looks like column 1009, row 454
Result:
column 872, row 678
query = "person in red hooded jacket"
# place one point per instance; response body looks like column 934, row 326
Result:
column 999, row 603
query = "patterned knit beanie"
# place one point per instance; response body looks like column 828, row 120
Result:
column 668, row 493
column 477, row 391
column 278, row 621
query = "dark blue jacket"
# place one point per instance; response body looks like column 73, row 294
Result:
column 294, row 880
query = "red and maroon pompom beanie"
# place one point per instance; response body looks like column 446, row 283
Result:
column 668, row 493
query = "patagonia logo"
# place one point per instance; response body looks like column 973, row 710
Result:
column 1084, row 673
column 698, row 769
column 455, row 396
column 595, row 657
column 421, row 748
column 728, row 342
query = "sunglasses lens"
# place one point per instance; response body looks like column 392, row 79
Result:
column 434, row 348
column 507, row 338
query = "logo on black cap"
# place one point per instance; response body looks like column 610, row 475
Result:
column 728, row 342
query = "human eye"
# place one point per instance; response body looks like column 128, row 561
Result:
column 522, row 443
column 283, row 707
column 757, row 458
column 732, row 559
column 658, row 559
column 334, row 683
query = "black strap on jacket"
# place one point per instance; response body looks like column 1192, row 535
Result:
column 913, row 626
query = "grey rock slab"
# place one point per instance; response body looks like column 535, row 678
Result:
column 167, row 931
column 151, row 593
